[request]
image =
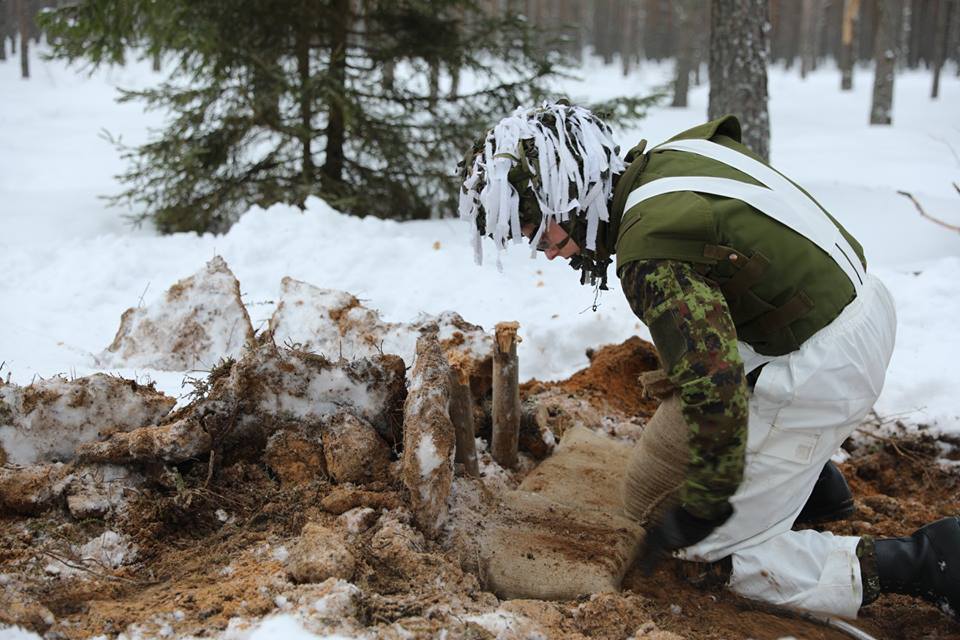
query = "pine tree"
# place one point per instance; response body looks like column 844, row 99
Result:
column 279, row 100
column 738, row 68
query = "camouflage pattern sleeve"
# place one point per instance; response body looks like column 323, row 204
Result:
column 694, row 333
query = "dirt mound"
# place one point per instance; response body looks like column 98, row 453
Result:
column 232, row 528
column 612, row 379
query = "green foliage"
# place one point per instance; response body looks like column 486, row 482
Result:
column 626, row 109
column 273, row 101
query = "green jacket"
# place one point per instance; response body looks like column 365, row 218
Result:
column 673, row 258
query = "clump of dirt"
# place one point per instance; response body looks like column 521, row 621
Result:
column 612, row 379
column 216, row 534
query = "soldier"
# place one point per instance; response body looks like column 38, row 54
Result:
column 771, row 332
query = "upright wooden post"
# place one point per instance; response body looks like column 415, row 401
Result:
column 506, row 395
column 461, row 415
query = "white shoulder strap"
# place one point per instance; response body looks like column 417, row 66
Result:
column 780, row 199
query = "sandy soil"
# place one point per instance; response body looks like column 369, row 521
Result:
column 213, row 542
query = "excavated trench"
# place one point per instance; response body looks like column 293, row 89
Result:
column 217, row 538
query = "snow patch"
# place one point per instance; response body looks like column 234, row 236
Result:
column 199, row 321
column 46, row 420
column 110, row 549
column 427, row 455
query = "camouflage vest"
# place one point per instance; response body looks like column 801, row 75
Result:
column 781, row 286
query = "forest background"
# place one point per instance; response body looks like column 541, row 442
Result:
column 368, row 104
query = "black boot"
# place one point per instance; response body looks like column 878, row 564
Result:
column 831, row 499
column 926, row 564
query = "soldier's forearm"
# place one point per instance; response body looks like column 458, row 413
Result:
column 696, row 338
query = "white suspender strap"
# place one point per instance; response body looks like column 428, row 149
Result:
column 780, row 199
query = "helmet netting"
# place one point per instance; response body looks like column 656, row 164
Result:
column 568, row 159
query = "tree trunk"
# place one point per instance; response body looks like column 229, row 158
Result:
column 389, row 75
column 627, row 36
column 738, row 68
column 305, row 133
column 807, row 39
column 819, row 22
column 909, row 49
column 3, row 30
column 792, row 49
column 23, row 19
column 686, row 52
column 944, row 18
column 336, row 121
column 885, row 60
column 454, row 82
column 851, row 13
column 434, row 83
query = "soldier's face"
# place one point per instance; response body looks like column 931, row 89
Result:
column 555, row 242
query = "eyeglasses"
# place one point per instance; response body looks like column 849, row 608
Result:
column 545, row 243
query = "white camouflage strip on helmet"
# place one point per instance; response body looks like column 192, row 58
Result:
column 589, row 139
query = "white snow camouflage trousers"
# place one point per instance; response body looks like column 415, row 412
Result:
column 802, row 408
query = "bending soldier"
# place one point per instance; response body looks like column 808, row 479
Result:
column 769, row 327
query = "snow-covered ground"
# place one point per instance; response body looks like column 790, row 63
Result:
column 69, row 266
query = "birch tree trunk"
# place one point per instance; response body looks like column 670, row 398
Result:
column 885, row 60
column 738, row 68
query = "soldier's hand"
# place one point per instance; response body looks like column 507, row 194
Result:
column 677, row 530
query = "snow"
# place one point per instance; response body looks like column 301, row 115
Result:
column 71, row 266
column 283, row 626
column 199, row 321
column 427, row 455
column 505, row 624
column 17, row 633
column 50, row 419
column 110, row 549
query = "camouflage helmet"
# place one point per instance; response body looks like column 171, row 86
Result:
column 556, row 161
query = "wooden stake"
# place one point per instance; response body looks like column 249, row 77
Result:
column 461, row 415
column 506, row 395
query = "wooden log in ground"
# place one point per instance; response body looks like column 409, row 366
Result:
column 506, row 395
column 461, row 414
